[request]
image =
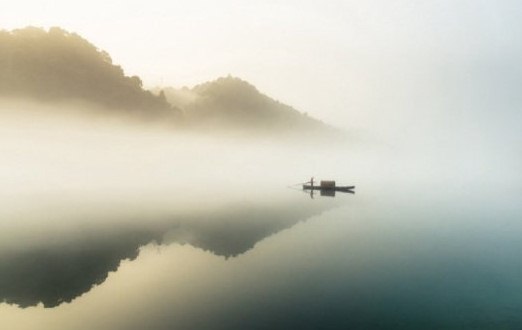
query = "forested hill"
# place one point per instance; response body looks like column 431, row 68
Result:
column 230, row 102
column 55, row 65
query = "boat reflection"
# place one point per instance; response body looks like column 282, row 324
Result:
column 326, row 188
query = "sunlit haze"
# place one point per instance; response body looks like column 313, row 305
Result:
column 353, row 63
column 260, row 164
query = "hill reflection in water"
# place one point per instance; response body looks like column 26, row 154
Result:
column 62, row 271
column 410, row 259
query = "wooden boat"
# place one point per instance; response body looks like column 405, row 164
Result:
column 336, row 188
column 328, row 186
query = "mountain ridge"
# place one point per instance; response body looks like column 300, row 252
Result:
column 232, row 102
column 55, row 65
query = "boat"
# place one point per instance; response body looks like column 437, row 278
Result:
column 327, row 185
column 337, row 188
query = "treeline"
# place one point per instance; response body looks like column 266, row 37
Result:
column 231, row 102
column 58, row 65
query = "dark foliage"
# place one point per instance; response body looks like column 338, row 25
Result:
column 58, row 65
column 230, row 102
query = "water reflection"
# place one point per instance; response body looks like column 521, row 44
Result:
column 60, row 272
column 414, row 259
column 330, row 192
column 55, row 275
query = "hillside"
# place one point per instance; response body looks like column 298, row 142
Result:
column 230, row 102
column 56, row 65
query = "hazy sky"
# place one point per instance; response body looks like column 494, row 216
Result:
column 352, row 63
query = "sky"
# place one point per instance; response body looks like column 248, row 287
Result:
column 354, row 64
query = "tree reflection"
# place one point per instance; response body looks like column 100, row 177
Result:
column 61, row 273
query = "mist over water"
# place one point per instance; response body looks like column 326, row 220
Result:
column 151, row 170
column 118, row 225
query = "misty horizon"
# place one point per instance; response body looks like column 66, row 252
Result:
column 185, row 165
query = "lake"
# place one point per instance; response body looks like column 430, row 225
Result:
column 139, row 233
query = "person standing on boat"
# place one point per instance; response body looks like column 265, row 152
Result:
column 312, row 181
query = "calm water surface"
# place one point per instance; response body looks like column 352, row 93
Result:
column 433, row 256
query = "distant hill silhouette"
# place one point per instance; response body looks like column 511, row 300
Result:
column 230, row 102
column 56, row 65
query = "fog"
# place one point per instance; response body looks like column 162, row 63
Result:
column 355, row 63
column 115, row 216
column 59, row 162
column 140, row 210
column 65, row 170
column 65, row 151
